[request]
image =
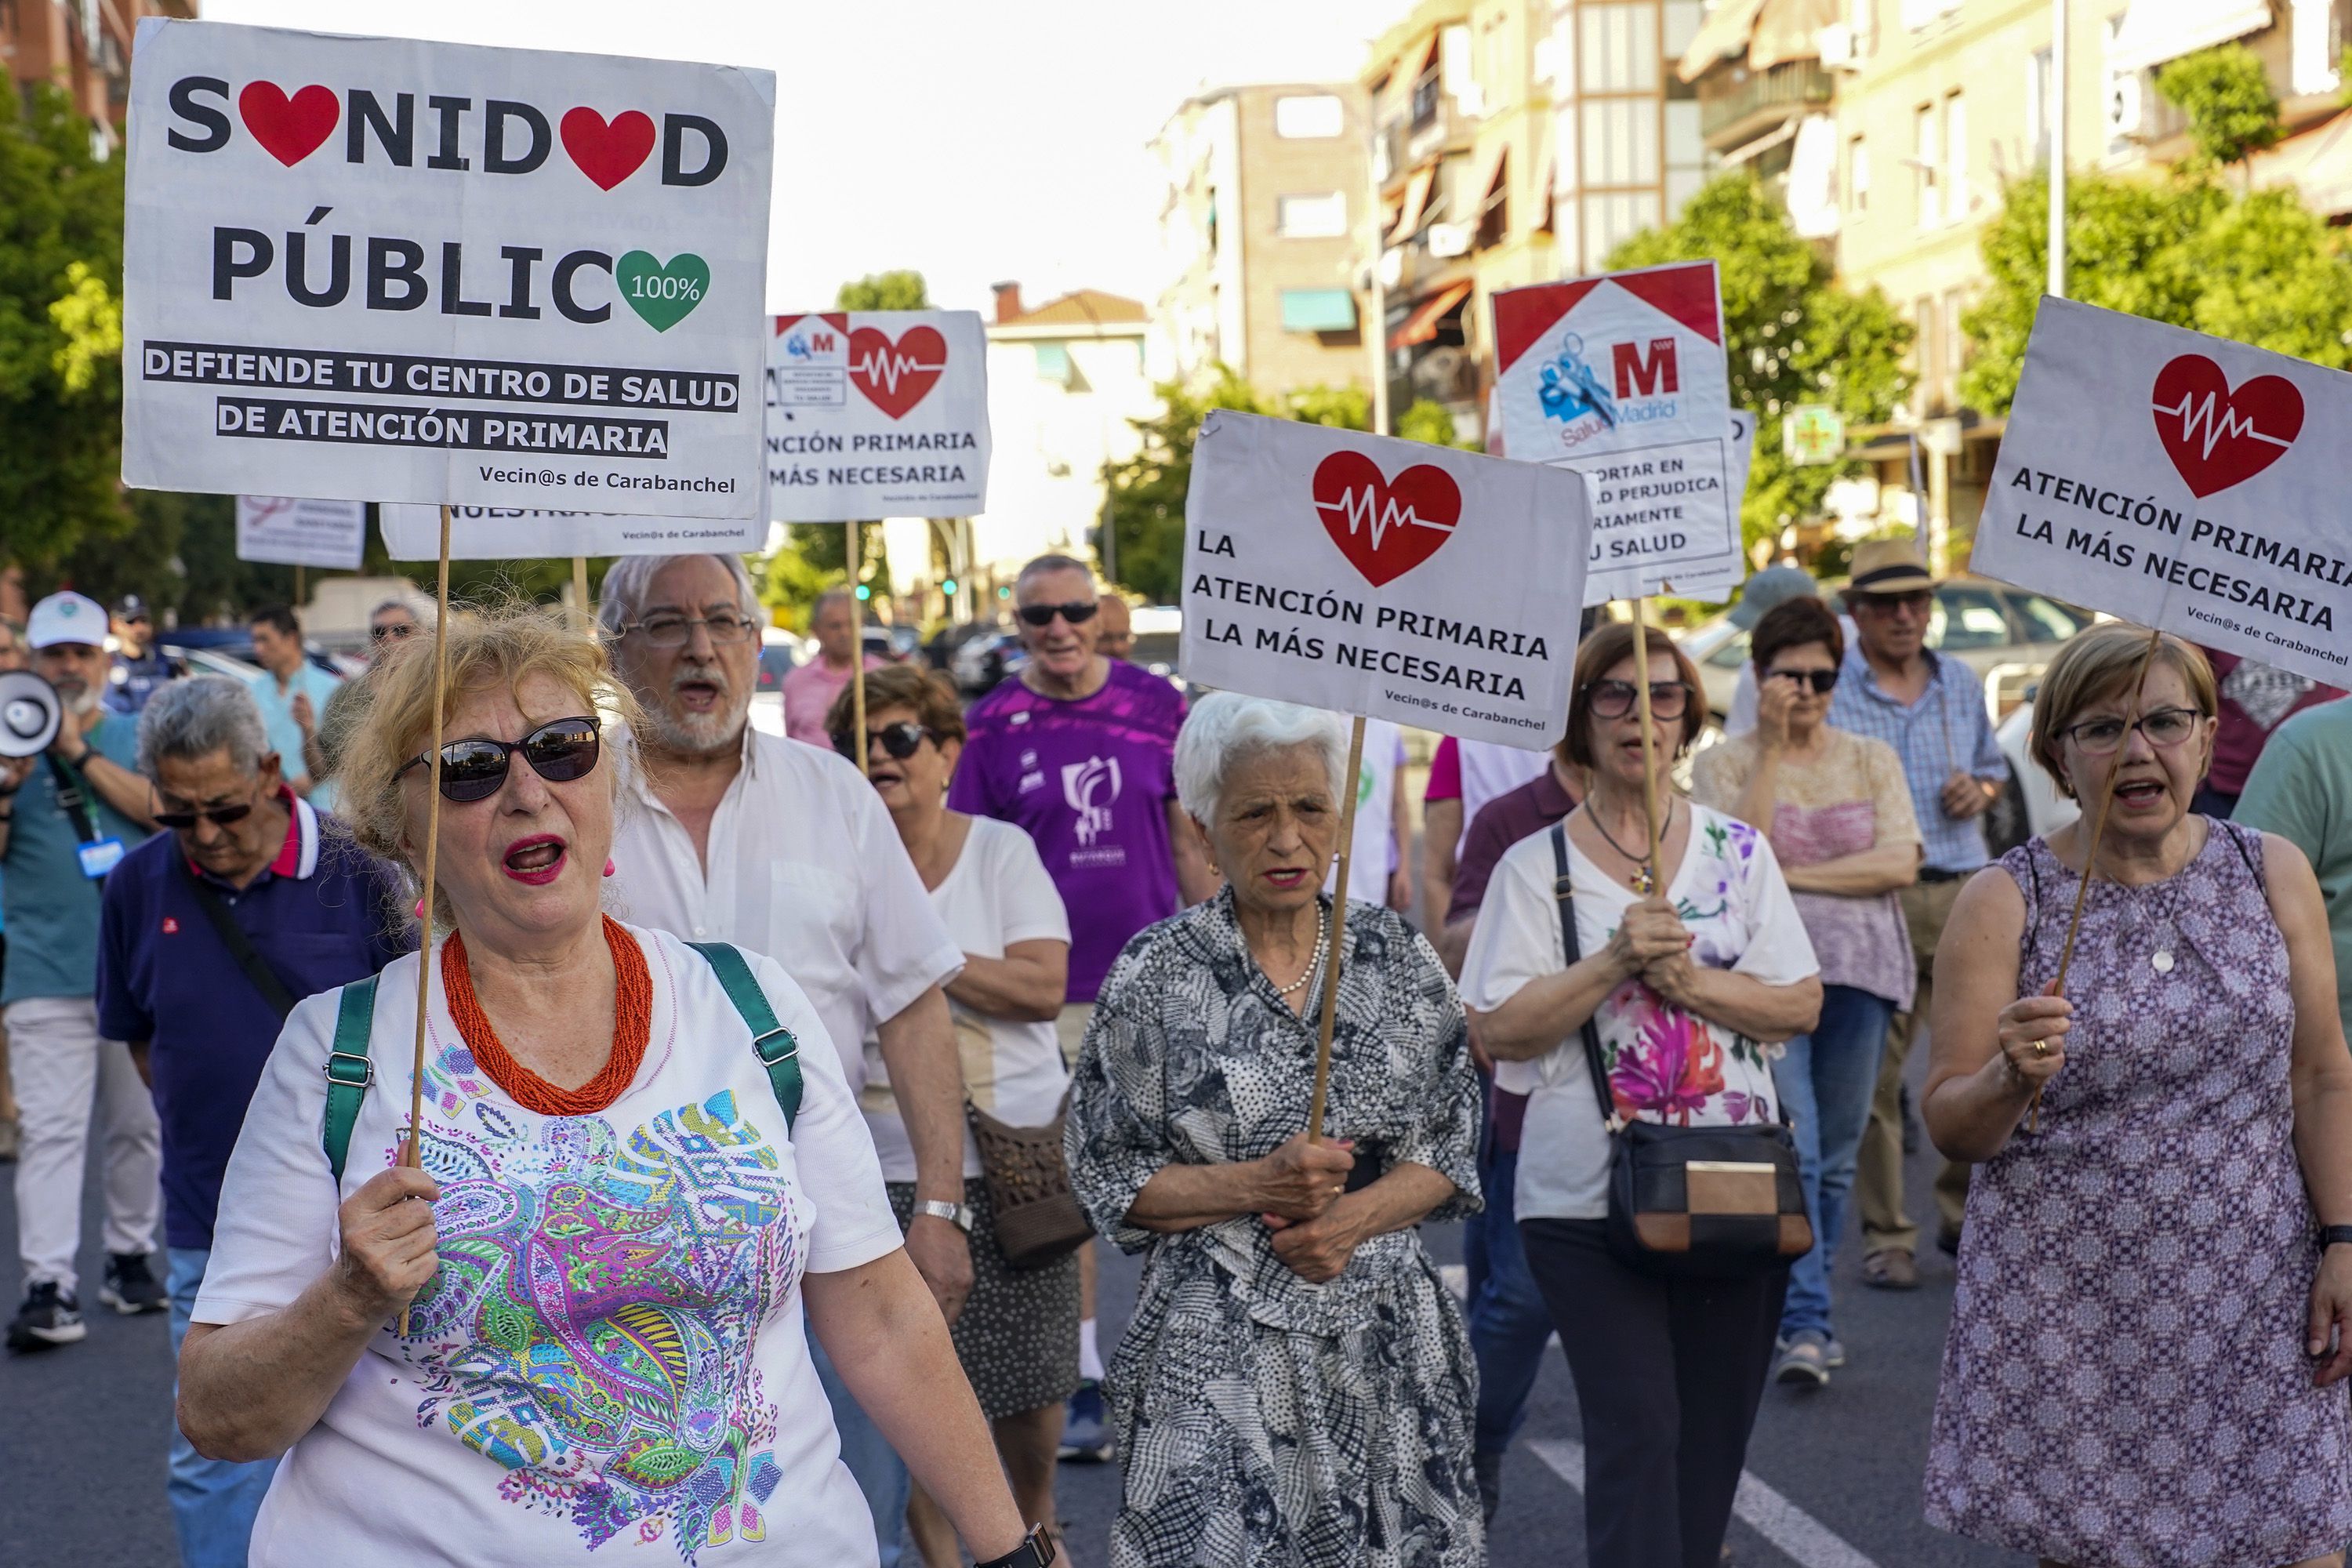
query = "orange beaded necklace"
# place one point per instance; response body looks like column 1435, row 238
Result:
column 632, row 1025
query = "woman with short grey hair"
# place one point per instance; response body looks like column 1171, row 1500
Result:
column 1296, row 1385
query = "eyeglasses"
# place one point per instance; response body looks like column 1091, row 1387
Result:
column 1820, row 680
column 1887, row 603
column 1615, row 698
column 559, row 751
column 1042, row 615
column 674, row 631
column 399, row 630
column 901, row 740
column 219, row 815
column 2165, row 728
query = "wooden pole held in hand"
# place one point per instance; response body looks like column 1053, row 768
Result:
column 857, row 654
column 580, row 606
column 1649, row 742
column 1338, row 930
column 414, row 1155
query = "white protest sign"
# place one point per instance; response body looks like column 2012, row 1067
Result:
column 1622, row 375
column 878, row 414
column 2179, row 481
column 383, row 270
column 507, row 533
column 291, row 532
column 1388, row 578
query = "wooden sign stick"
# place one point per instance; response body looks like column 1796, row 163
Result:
column 579, row 607
column 413, row 1156
column 856, row 656
column 1338, row 930
column 1649, row 742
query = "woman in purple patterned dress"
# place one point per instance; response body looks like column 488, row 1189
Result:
column 2152, row 1330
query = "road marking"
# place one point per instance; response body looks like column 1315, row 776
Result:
column 1808, row 1542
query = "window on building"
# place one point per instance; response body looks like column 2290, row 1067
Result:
column 1322, row 215
column 1618, row 50
column 1055, row 364
column 1959, row 199
column 1620, row 141
column 1956, row 346
column 1862, row 20
column 1927, row 167
column 1318, row 310
column 1926, row 356
column 1309, row 116
column 1857, row 175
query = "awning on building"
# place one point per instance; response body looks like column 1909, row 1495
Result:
column 2317, row 163
column 1318, row 310
column 1489, row 190
column 1723, row 36
column 1764, row 143
column 1768, row 32
column 1416, row 204
column 2155, row 32
column 1422, row 325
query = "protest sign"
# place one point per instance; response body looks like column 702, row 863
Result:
column 878, row 414
column 1622, row 376
column 509, row 533
column 1386, row 578
column 384, row 270
column 291, row 532
column 2180, row 481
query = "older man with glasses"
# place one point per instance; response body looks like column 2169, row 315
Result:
column 783, row 849
column 396, row 622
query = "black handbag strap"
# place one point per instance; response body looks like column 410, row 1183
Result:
column 72, row 799
column 1563, row 891
column 240, row 946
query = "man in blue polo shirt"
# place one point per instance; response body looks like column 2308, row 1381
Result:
column 210, row 933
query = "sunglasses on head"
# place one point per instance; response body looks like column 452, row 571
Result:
column 219, row 815
column 559, row 751
column 1076, row 614
column 900, row 739
column 1820, row 680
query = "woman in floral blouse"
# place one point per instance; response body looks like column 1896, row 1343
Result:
column 1295, row 1385
column 1694, row 970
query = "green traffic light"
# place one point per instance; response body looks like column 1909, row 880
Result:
column 948, row 586
column 863, row 592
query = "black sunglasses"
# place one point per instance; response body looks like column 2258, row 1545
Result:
column 900, row 739
column 1615, row 698
column 400, row 629
column 219, row 815
column 1078, row 614
column 1820, row 680
column 559, row 751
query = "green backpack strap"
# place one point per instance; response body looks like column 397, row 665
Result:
column 349, row 1071
column 779, row 1051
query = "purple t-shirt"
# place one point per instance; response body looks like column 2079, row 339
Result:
column 1089, row 781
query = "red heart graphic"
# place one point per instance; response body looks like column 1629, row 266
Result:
column 1385, row 527
column 607, row 152
column 896, row 376
column 2217, row 437
column 288, row 128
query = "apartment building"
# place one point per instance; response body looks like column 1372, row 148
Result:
column 1266, row 194
column 82, row 47
column 1764, row 100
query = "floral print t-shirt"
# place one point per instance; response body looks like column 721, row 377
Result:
column 1665, row 1065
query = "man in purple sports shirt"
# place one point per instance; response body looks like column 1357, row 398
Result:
column 1080, row 753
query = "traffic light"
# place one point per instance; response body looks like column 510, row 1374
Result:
column 949, row 587
column 864, row 593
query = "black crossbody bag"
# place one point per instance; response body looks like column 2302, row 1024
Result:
column 240, row 946
column 1690, row 1203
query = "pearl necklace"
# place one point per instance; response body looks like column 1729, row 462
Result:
column 1315, row 967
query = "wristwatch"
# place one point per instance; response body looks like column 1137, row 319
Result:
column 955, row 1215
column 2331, row 1234
column 1035, row 1551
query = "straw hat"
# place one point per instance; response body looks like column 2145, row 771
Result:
column 1888, row 566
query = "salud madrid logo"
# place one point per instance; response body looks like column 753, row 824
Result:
column 1643, row 385
column 1091, row 789
column 2217, row 437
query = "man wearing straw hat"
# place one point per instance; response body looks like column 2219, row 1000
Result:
column 1931, row 709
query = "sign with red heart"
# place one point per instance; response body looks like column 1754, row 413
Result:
column 2217, row 437
column 288, row 128
column 894, row 376
column 607, row 151
column 1385, row 527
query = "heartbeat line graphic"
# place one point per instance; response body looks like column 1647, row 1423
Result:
column 1361, row 509
column 884, row 369
column 2207, row 421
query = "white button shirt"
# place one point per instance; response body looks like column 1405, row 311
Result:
column 806, row 866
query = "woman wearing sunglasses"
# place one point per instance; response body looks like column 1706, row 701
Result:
column 1836, row 808
column 645, row 1182
column 2154, row 1314
column 1693, row 970
column 1018, row 1333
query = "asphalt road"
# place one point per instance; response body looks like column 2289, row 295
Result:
column 83, row 1432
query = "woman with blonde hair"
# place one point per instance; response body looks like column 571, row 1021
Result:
column 582, row 1320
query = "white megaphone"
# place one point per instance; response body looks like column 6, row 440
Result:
column 29, row 715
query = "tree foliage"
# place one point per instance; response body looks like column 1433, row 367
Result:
column 1792, row 335
column 1431, row 421
column 2226, row 93
column 903, row 289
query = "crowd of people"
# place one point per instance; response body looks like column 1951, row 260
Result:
column 779, row 1093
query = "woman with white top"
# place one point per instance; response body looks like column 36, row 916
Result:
column 581, row 1321
column 1694, row 969
column 1018, row 1333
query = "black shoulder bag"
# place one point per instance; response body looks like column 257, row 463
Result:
column 240, row 946
column 1690, row 1203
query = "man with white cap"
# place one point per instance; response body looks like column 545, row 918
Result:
column 66, row 818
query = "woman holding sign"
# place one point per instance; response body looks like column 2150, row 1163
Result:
column 1692, row 968
column 582, row 1320
column 2153, row 1313
column 1295, row 1387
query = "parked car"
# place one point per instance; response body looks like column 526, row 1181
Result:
column 983, row 663
column 1159, row 631
column 2030, row 803
column 780, row 650
column 235, row 645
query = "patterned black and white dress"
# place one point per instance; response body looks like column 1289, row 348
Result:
column 1260, row 1418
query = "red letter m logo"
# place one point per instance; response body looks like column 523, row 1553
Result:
column 822, row 343
column 1646, row 375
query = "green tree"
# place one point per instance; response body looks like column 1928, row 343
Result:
column 2226, row 93
column 903, row 289
column 60, row 332
column 1792, row 335
column 1430, row 422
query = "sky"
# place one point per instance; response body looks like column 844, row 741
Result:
column 972, row 140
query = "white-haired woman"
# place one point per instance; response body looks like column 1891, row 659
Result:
column 1295, row 1385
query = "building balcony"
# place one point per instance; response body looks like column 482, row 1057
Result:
column 1736, row 105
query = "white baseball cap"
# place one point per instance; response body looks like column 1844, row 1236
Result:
column 67, row 617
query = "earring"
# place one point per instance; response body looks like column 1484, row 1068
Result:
column 608, row 866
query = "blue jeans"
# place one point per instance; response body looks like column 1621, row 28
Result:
column 1826, row 1079
column 880, row 1474
column 1508, row 1320
column 212, row 1501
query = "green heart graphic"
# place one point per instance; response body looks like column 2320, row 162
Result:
column 663, row 296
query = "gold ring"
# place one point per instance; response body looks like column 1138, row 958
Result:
column 2040, row 1048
